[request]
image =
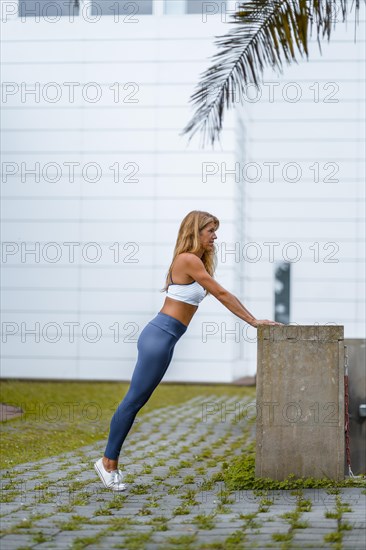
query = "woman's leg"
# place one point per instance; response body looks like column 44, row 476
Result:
column 155, row 351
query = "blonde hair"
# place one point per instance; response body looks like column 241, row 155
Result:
column 188, row 241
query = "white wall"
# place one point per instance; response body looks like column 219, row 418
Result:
column 161, row 57
column 323, row 216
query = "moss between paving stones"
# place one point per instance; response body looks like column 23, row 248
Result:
column 336, row 537
column 240, row 474
column 62, row 416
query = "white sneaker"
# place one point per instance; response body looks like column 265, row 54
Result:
column 111, row 480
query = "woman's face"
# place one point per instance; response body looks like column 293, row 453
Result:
column 207, row 236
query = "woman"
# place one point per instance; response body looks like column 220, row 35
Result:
column 189, row 280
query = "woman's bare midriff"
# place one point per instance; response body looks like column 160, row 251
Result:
column 180, row 310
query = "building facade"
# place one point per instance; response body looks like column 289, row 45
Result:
column 96, row 178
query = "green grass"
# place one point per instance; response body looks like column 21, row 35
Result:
column 240, row 474
column 184, row 541
column 73, row 523
column 235, row 541
column 204, row 521
column 337, row 536
column 40, row 537
column 136, row 541
column 83, row 542
column 181, row 510
column 63, row 416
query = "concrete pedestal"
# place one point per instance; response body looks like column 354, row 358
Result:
column 300, row 402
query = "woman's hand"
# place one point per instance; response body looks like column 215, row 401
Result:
column 265, row 322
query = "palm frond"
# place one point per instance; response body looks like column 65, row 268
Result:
column 265, row 33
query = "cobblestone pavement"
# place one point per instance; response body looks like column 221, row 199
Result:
column 172, row 499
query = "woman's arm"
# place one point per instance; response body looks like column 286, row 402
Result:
column 194, row 267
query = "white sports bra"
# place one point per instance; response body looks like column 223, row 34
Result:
column 191, row 293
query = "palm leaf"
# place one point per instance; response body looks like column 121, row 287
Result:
column 264, row 33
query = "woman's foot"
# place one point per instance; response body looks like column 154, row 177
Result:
column 109, row 464
column 111, row 480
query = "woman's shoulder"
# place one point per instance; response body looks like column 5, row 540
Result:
column 186, row 257
column 185, row 261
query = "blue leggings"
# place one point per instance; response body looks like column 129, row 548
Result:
column 155, row 347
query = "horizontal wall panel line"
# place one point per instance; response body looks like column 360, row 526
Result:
column 113, row 152
column 307, row 219
column 82, row 129
column 131, row 129
column 94, row 106
column 155, row 61
column 103, row 358
column 146, row 38
column 91, row 220
column 134, row 266
column 323, row 320
column 145, row 290
column 299, row 199
column 78, row 312
column 186, row 175
column 296, row 299
column 306, row 159
column 76, row 289
column 309, row 280
column 90, row 266
column 119, row 198
column 140, row 130
column 299, row 239
column 85, row 313
column 308, row 140
column 318, row 299
column 334, row 120
column 150, row 39
column 193, row 83
column 255, row 240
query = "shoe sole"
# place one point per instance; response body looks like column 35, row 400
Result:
column 103, row 480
